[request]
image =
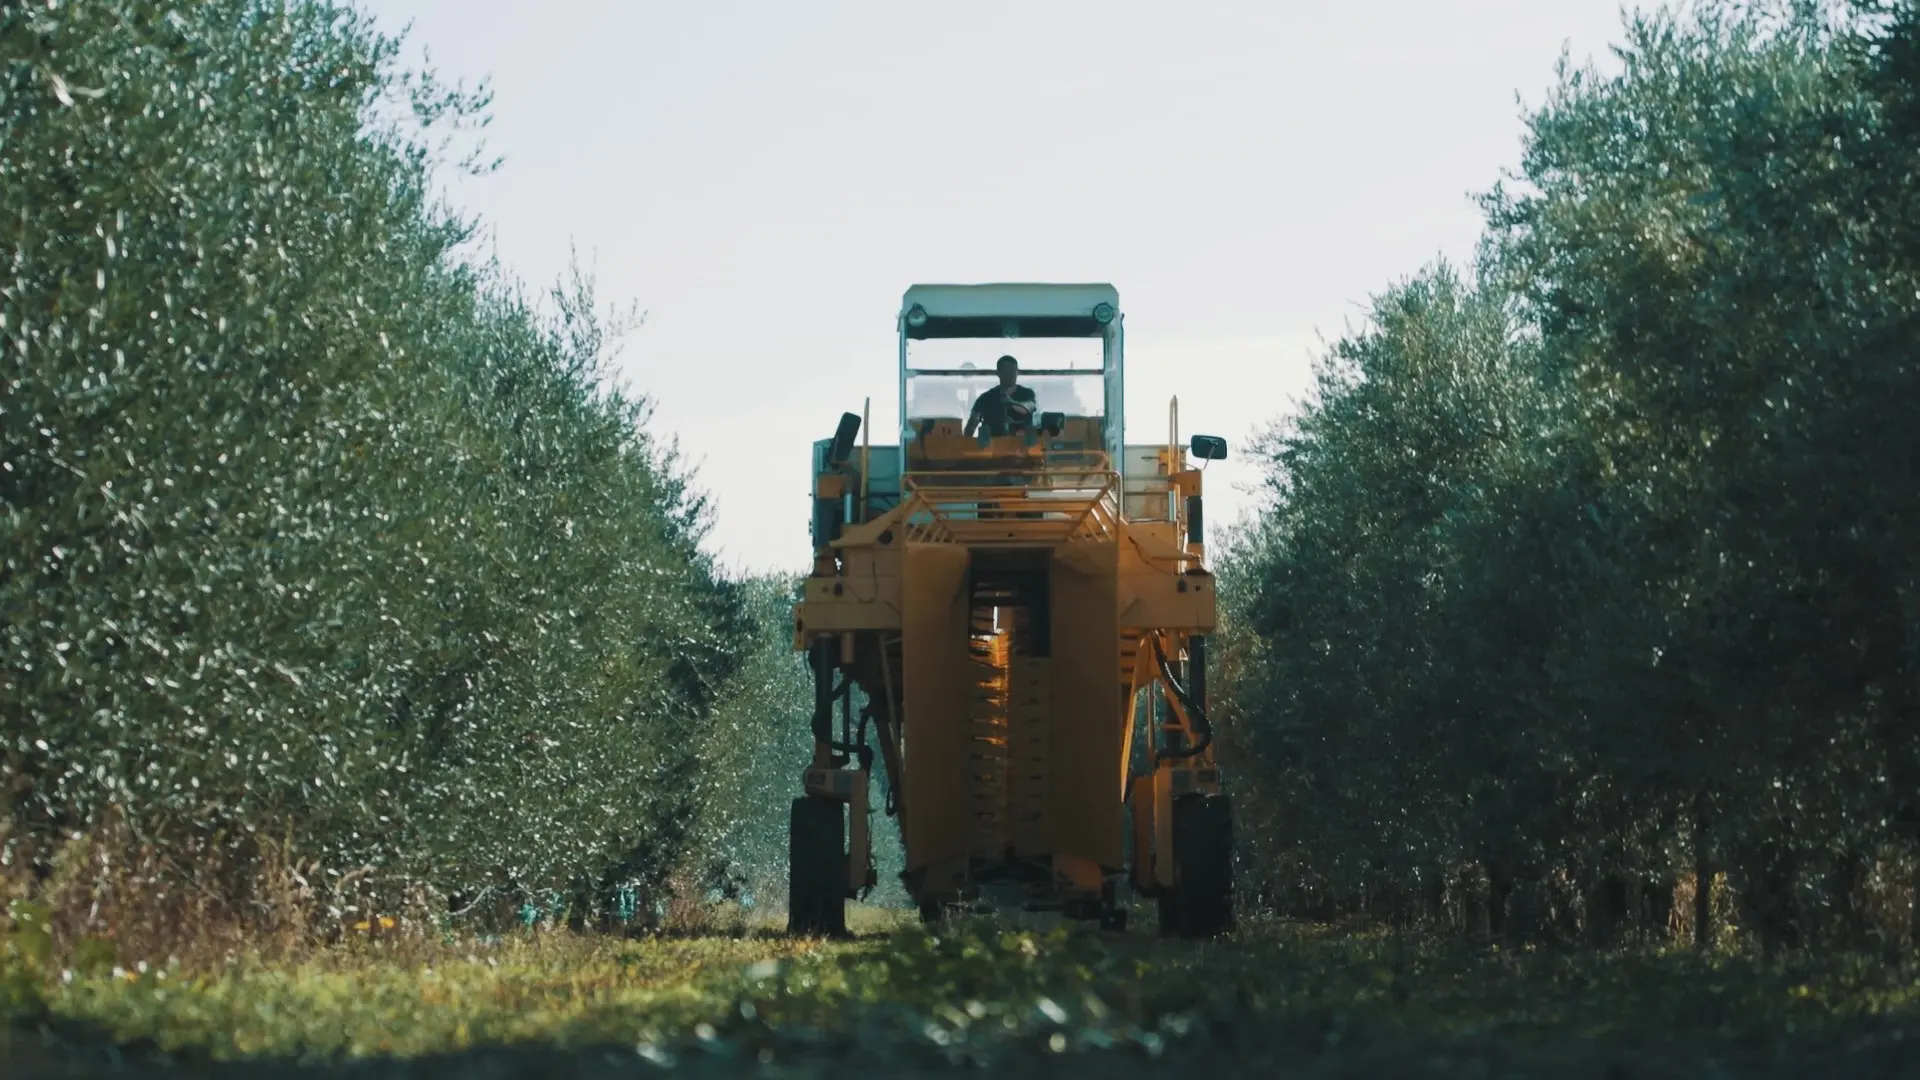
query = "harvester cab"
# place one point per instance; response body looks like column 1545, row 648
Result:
column 1010, row 623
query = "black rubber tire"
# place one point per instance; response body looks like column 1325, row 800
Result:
column 817, row 868
column 1202, row 903
column 1111, row 913
column 933, row 913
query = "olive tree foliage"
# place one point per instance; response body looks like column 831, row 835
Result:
column 1598, row 569
column 312, row 529
column 1341, row 649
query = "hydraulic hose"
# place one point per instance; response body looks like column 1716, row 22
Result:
column 826, row 692
column 823, row 690
column 1194, row 710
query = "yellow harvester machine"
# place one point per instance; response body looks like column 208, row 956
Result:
column 1024, row 618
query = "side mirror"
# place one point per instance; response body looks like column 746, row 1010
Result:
column 1052, row 422
column 1208, row 448
column 842, row 447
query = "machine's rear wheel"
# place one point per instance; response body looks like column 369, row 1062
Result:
column 932, row 913
column 1200, row 905
column 1168, row 903
column 1112, row 913
column 817, row 868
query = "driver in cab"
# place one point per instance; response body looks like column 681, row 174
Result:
column 1006, row 408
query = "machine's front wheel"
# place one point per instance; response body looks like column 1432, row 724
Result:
column 817, row 868
column 1200, row 905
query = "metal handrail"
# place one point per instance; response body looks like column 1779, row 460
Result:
column 1004, row 510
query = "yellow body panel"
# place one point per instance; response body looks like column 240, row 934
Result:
column 1030, row 731
column 935, row 691
column 867, row 598
column 1151, row 601
column 1083, row 808
column 1014, row 754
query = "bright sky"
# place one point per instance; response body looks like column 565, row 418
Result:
column 765, row 179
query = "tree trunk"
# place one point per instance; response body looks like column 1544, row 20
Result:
column 1527, row 919
column 1476, row 908
column 1913, row 911
column 1500, row 886
column 1702, row 877
column 1847, row 890
column 1436, row 896
column 1654, row 910
column 1766, row 895
column 1608, row 912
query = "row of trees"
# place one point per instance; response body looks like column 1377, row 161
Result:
column 316, row 534
column 1587, row 570
column 1590, row 569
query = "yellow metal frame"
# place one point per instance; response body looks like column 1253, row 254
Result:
column 1011, row 509
column 894, row 579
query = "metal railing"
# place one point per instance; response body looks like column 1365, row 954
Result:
column 1012, row 507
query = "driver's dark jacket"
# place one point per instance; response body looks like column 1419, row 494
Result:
column 1002, row 412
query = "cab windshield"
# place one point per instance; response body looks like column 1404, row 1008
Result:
column 946, row 376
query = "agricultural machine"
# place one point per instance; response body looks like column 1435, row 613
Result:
column 1024, row 614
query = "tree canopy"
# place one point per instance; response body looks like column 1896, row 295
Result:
column 1591, row 564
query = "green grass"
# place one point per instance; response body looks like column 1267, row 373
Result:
column 1283, row 996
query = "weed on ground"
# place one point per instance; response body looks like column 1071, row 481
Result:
column 1275, row 999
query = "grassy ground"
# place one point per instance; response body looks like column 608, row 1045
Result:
column 1276, row 1000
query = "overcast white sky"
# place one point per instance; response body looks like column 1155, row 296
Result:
column 764, row 179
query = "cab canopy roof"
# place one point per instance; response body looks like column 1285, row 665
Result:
column 1008, row 310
